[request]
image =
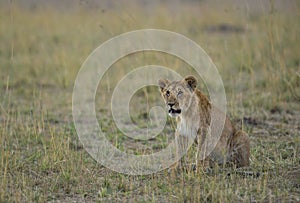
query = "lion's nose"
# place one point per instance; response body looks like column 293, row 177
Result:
column 171, row 104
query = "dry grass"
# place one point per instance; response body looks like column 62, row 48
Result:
column 41, row 51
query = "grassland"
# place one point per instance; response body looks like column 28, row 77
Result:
column 41, row 51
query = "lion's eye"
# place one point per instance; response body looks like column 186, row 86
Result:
column 179, row 93
column 168, row 93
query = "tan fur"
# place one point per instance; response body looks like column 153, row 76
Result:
column 192, row 110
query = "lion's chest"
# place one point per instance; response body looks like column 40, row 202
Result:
column 186, row 127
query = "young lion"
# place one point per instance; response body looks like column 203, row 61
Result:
column 192, row 110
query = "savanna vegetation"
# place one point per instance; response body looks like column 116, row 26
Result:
column 255, row 47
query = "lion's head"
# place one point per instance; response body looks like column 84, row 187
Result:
column 178, row 94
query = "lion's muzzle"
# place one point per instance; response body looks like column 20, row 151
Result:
column 173, row 112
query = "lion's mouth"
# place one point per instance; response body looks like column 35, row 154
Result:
column 174, row 111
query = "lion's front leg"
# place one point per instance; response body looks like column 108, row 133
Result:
column 182, row 145
column 178, row 163
column 201, row 161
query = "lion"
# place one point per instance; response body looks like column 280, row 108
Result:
column 192, row 110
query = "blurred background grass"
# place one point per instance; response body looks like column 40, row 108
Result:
column 254, row 44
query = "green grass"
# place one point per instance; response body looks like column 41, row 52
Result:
column 41, row 51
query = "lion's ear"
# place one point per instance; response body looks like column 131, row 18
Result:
column 163, row 83
column 191, row 82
